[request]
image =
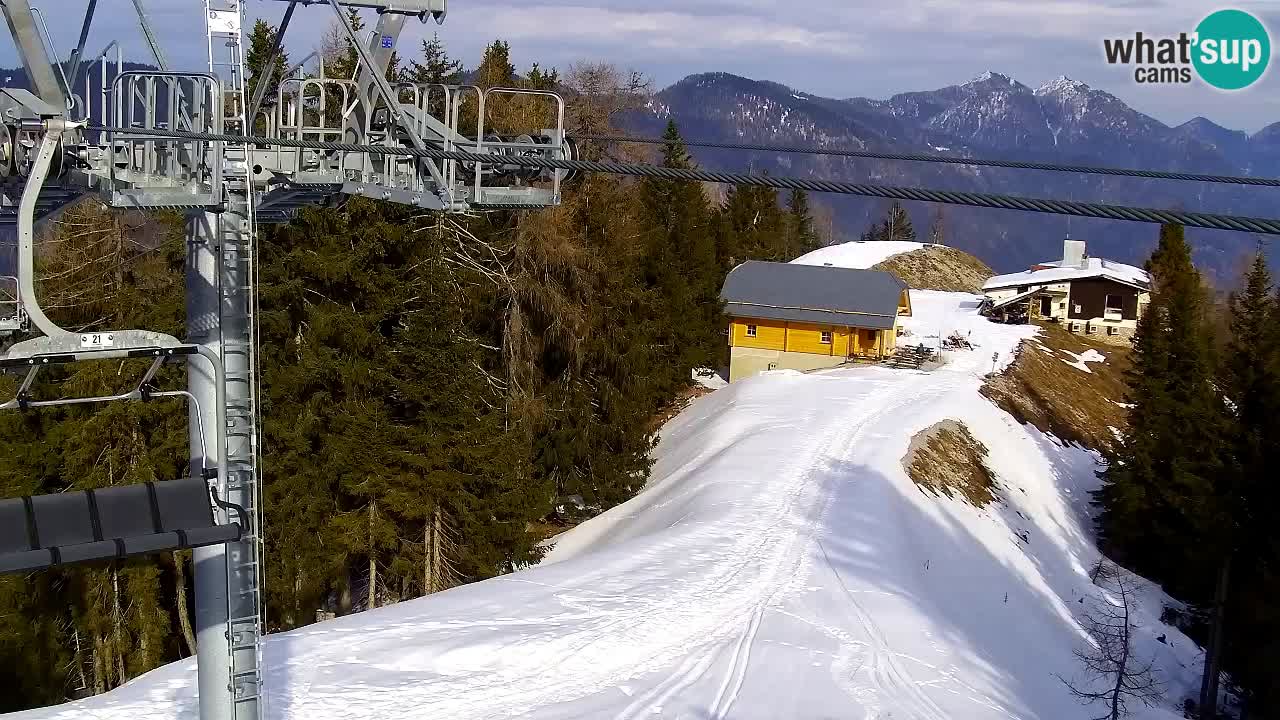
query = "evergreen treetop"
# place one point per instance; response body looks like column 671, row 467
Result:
column 435, row 67
column 260, row 42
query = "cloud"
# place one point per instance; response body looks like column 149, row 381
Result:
column 660, row 29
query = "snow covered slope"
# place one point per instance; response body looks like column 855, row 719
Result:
column 857, row 254
column 779, row 565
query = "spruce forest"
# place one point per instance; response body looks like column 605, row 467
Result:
column 440, row 393
column 1189, row 498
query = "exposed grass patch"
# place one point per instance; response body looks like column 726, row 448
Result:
column 937, row 267
column 1041, row 388
column 947, row 459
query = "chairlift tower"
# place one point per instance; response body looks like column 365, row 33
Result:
column 66, row 138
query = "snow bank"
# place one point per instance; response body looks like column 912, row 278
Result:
column 1080, row 361
column 780, row 564
column 857, row 254
column 708, row 378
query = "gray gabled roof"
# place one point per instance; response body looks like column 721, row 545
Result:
column 813, row 294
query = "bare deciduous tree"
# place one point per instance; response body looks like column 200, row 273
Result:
column 938, row 226
column 1113, row 674
column 596, row 93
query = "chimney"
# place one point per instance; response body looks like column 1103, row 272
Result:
column 1072, row 253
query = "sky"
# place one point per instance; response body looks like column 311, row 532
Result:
column 836, row 48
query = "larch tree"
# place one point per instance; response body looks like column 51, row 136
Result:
column 1114, row 673
column 938, row 227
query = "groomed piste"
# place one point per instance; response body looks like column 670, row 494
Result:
column 780, row 564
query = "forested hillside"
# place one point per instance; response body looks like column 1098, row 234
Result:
column 439, row 392
column 1189, row 494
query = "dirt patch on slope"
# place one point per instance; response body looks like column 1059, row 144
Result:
column 676, row 406
column 946, row 458
column 1046, row 387
column 938, row 267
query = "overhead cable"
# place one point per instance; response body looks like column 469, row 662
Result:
column 948, row 159
column 1211, row 221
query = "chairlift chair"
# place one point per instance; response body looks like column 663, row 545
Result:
column 47, row 531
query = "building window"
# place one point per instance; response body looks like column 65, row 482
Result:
column 826, row 337
column 751, row 331
column 1115, row 302
column 1078, row 310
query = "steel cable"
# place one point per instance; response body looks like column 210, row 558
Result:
column 951, row 160
column 1210, row 221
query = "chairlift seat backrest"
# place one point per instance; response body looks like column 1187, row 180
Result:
column 116, row 522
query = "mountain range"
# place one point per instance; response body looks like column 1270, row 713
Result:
column 992, row 116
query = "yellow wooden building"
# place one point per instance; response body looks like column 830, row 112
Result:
column 806, row 317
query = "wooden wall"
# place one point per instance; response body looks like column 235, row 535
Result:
column 1091, row 295
column 807, row 338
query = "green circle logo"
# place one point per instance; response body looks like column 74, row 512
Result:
column 1232, row 49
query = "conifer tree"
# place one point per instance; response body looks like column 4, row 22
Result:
column 754, row 224
column 875, row 232
column 435, row 68
column 345, row 65
column 95, row 626
column 429, row 398
column 1161, row 508
column 260, row 42
column 801, row 238
column 1250, row 378
column 897, row 224
column 1249, row 381
column 680, row 262
column 495, row 68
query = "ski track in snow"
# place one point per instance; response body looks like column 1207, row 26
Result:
column 778, row 564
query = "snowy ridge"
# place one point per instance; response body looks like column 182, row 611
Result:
column 857, row 254
column 780, row 564
column 1063, row 85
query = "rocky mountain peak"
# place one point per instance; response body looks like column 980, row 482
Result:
column 994, row 77
column 1063, row 85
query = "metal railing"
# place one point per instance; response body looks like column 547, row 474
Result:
column 321, row 109
column 189, row 102
column 11, row 317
